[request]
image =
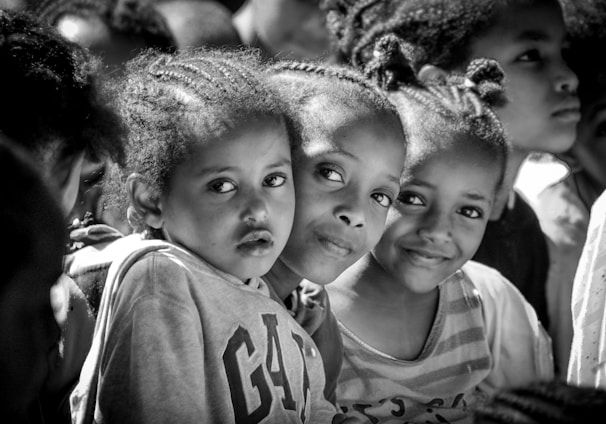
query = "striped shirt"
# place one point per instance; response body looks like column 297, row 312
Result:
column 484, row 336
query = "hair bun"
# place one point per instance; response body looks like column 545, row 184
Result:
column 392, row 63
column 488, row 79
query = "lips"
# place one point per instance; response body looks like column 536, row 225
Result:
column 569, row 112
column 425, row 257
column 334, row 245
column 257, row 242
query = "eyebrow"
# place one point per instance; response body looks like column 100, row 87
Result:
column 533, row 35
column 220, row 169
column 470, row 196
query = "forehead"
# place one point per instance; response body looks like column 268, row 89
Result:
column 519, row 22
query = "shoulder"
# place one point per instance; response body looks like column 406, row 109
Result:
column 492, row 286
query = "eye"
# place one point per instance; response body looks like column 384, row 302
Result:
column 331, row 174
column 532, row 55
column 275, row 180
column 222, row 186
column 471, row 212
column 382, row 199
column 409, row 198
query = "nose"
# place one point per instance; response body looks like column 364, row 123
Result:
column 352, row 213
column 566, row 80
column 255, row 210
column 435, row 227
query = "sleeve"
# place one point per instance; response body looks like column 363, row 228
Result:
column 521, row 348
column 313, row 308
column 152, row 368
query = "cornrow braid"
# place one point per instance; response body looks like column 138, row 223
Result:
column 552, row 402
column 339, row 73
column 465, row 101
column 313, row 91
column 173, row 102
column 441, row 30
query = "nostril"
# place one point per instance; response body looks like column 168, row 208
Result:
column 345, row 219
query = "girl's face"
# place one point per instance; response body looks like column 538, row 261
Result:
column 232, row 201
column 543, row 108
column 345, row 184
column 438, row 221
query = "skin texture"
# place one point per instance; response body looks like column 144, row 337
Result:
column 543, row 109
column 345, row 182
column 232, row 201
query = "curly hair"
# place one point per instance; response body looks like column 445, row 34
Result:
column 455, row 105
column 128, row 17
column 553, row 402
column 173, row 103
column 441, row 30
column 316, row 93
column 51, row 91
column 586, row 25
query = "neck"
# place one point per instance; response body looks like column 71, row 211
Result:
column 282, row 279
column 514, row 162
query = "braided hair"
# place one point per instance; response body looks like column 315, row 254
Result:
column 553, row 402
column 53, row 85
column 319, row 97
column 441, row 30
column 132, row 18
column 172, row 103
column 457, row 104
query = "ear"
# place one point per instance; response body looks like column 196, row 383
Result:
column 432, row 74
column 145, row 202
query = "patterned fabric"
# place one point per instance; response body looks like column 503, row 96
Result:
column 485, row 336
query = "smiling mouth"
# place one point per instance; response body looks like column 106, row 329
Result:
column 334, row 245
column 424, row 258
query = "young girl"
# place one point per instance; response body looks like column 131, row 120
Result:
column 427, row 332
column 186, row 331
column 348, row 152
column 526, row 37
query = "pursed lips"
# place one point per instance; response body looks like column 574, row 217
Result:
column 256, row 237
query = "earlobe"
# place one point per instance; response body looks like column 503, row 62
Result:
column 432, row 74
column 145, row 202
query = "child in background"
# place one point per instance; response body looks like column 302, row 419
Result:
column 348, row 152
column 427, row 332
column 563, row 207
column 285, row 29
column 553, row 402
column 187, row 331
column 526, row 37
column 54, row 84
column 34, row 232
